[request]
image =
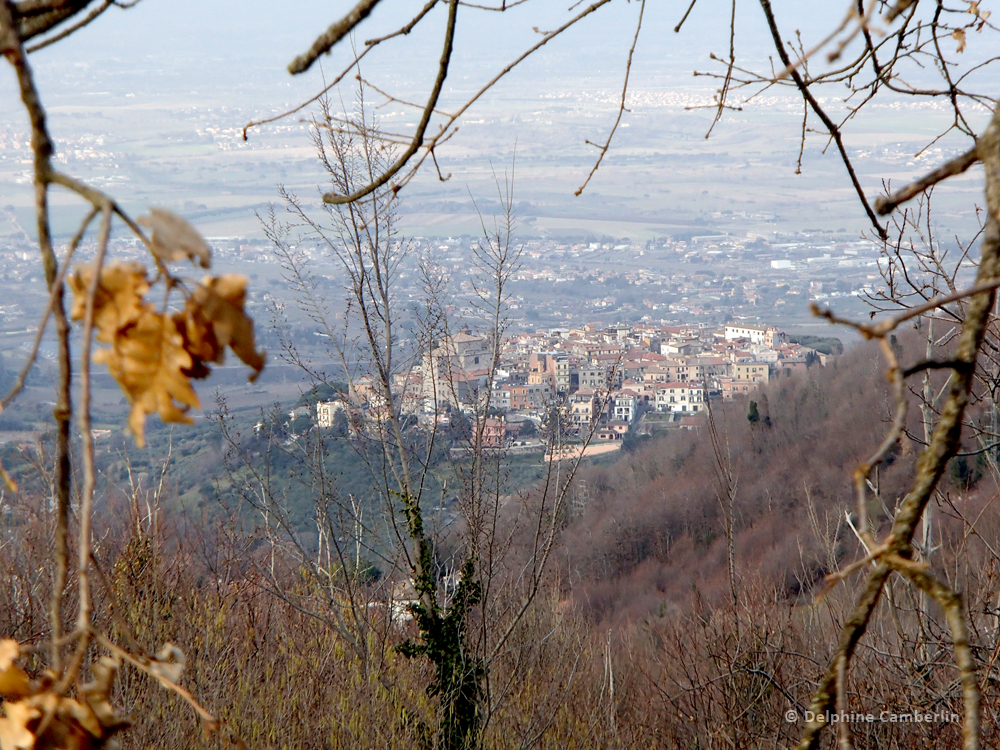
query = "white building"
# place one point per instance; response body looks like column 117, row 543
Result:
column 760, row 335
column 680, row 398
column 626, row 403
column 581, row 407
column 755, row 334
column 325, row 411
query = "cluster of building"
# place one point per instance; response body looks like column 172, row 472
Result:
column 607, row 379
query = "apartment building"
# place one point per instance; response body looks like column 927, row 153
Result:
column 680, row 398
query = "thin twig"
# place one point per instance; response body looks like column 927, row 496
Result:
column 687, row 13
column 71, row 29
column 418, row 136
column 22, row 376
column 830, row 125
column 621, row 106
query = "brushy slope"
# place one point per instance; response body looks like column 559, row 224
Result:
column 654, row 529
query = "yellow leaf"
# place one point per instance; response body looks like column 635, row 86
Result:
column 218, row 302
column 175, row 239
column 118, row 301
column 148, row 361
column 13, row 680
column 959, row 36
column 14, row 732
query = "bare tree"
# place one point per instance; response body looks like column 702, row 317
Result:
column 475, row 580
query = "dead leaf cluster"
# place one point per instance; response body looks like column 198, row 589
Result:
column 154, row 355
column 36, row 717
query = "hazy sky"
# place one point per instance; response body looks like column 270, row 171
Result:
column 215, row 41
column 177, row 54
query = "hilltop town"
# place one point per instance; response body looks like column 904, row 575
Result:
column 602, row 383
column 660, row 335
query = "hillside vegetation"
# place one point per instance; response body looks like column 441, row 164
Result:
column 653, row 531
column 637, row 642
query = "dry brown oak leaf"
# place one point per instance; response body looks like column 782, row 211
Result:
column 149, row 361
column 47, row 721
column 153, row 355
column 213, row 319
column 173, row 238
column 147, row 355
column 118, row 301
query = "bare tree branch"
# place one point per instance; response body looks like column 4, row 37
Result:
column 418, row 136
column 332, row 35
